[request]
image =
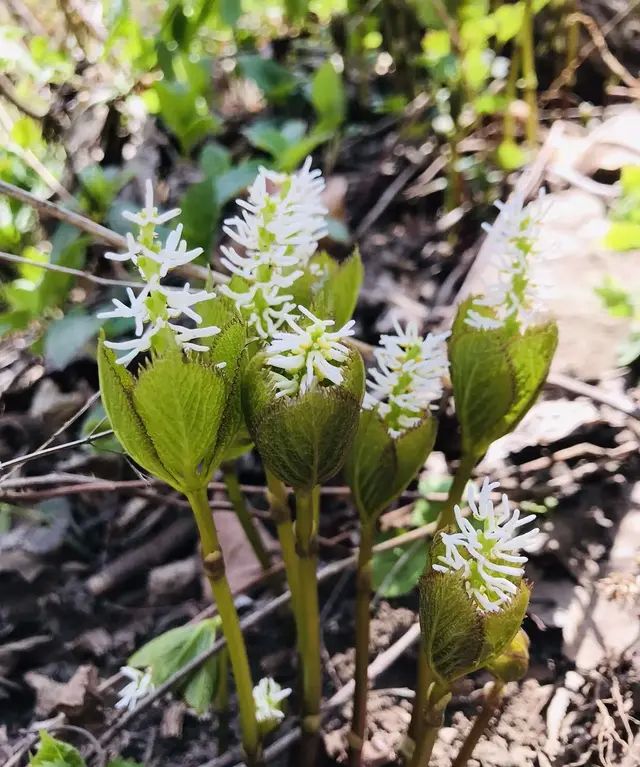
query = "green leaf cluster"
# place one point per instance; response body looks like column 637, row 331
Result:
column 52, row 752
column 168, row 653
column 458, row 637
column 179, row 414
column 303, row 440
column 496, row 376
column 379, row 467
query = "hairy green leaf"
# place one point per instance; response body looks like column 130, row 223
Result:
column 55, row 753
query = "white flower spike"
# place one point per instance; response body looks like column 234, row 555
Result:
column 486, row 548
column 150, row 214
column 516, row 295
column 408, row 380
column 268, row 696
column 156, row 309
column 140, row 685
column 278, row 230
column 309, row 355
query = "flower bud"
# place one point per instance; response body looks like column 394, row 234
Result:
column 513, row 663
column 303, row 439
column 379, row 467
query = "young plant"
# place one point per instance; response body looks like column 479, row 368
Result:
column 301, row 399
column 473, row 598
column 500, row 351
column 178, row 414
column 396, row 432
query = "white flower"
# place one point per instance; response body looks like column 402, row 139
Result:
column 485, row 549
column 516, row 294
column 139, row 687
column 137, row 309
column 137, row 345
column 150, row 214
column 181, row 300
column 268, row 696
column 409, row 376
column 278, row 230
column 156, row 305
column 309, row 355
column 185, row 336
column 283, row 215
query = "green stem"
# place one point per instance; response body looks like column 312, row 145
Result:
column 430, row 723
column 447, row 518
column 529, row 73
column 423, row 680
column 239, row 503
column 509, row 123
column 215, row 572
column 491, row 703
column 306, row 529
column 363, row 596
column 281, row 516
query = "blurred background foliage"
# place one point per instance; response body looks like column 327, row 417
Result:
column 199, row 93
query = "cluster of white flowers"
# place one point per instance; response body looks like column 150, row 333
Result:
column 409, row 376
column 156, row 308
column 485, row 548
column 311, row 354
column 279, row 228
column 139, row 686
column 516, row 294
column 268, row 696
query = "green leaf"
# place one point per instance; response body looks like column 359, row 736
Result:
column 339, row 287
column 55, row 753
column 508, row 20
column 483, row 385
column 116, row 388
column 396, row 572
column 26, row 133
column 328, row 97
column 66, row 338
column 501, row 627
column 200, row 215
column 451, row 626
column 616, row 299
column 623, row 235
column 274, row 81
column 378, row 467
column 185, row 112
column 215, row 160
column 170, row 652
column 181, row 402
column 303, row 440
column 496, row 375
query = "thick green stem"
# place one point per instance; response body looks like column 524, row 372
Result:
column 460, row 480
column 281, row 516
column 429, row 726
column 306, row 529
column 491, row 703
column 509, row 123
column 215, row 572
column 363, row 597
column 239, row 503
column 529, row 76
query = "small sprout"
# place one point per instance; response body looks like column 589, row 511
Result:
column 268, row 697
column 485, row 548
column 156, row 308
column 515, row 297
column 409, row 377
column 139, row 686
column 309, row 356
